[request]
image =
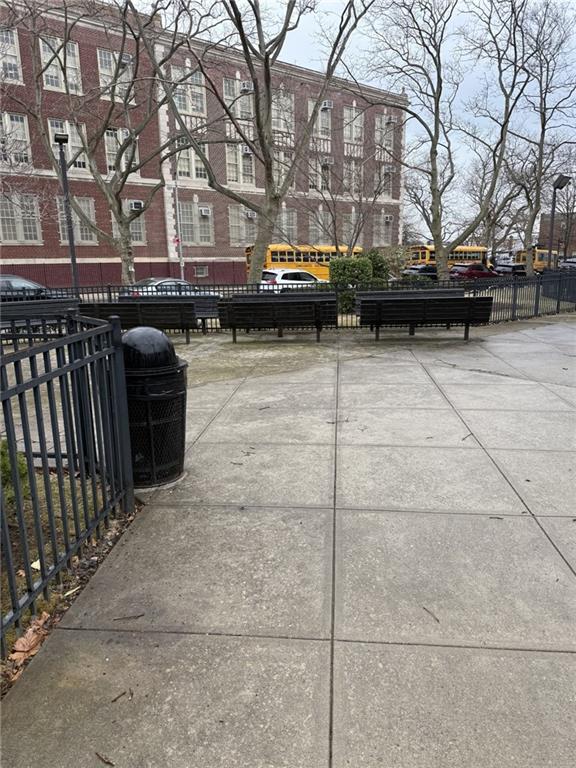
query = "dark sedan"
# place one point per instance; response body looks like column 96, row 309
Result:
column 163, row 288
column 14, row 288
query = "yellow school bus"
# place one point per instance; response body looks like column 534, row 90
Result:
column 426, row 254
column 312, row 258
column 540, row 258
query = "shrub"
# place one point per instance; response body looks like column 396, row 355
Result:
column 6, row 473
column 347, row 273
column 380, row 265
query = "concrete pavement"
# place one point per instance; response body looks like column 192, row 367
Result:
column 370, row 562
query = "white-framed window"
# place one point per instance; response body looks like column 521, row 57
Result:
column 286, row 229
column 323, row 124
column 353, row 176
column 83, row 233
column 115, row 71
column 384, row 136
column 320, row 228
column 383, row 223
column 189, row 164
column 137, row 225
column 20, row 220
column 58, row 58
column 240, row 104
column 282, row 162
column 189, row 91
column 73, row 149
column 114, row 138
column 283, row 111
column 353, row 125
column 239, row 165
column 10, row 56
column 383, row 180
column 201, row 271
column 242, row 226
column 319, row 177
column 352, row 227
column 14, row 139
column 196, row 223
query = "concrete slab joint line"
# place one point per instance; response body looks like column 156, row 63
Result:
column 371, row 561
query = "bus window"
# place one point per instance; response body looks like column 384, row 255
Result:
column 282, row 256
column 290, row 256
column 305, row 257
column 274, row 257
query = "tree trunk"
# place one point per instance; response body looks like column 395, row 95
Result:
column 442, row 270
column 126, row 252
column 266, row 223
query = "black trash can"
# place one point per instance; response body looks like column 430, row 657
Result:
column 156, row 390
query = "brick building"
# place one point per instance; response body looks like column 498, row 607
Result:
column 354, row 152
column 564, row 235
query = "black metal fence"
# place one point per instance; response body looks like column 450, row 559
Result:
column 65, row 451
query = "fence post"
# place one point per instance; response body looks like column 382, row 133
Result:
column 109, row 293
column 559, row 297
column 537, row 297
column 122, row 406
column 514, row 300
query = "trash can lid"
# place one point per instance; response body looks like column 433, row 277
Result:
column 146, row 347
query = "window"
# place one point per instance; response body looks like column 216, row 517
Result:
column 383, row 180
column 286, row 230
column 323, row 123
column 114, row 139
column 189, row 164
column 10, row 55
column 319, row 175
column 58, row 58
column 283, row 111
column 282, row 164
column 73, row 149
column 20, row 219
column 383, row 229
column 241, row 105
column 83, row 234
column 201, row 271
column 353, row 177
column 189, row 91
column 320, row 228
column 137, row 225
column 353, row 125
column 384, row 136
column 115, row 71
column 15, row 140
column 196, row 223
column 239, row 165
column 242, row 226
column 351, row 227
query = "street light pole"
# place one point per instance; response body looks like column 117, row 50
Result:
column 61, row 139
column 560, row 182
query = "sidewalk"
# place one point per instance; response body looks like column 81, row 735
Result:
column 371, row 562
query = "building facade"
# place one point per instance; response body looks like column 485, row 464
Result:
column 347, row 186
column 563, row 236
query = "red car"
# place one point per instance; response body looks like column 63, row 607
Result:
column 471, row 272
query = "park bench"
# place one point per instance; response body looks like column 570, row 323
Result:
column 205, row 305
column 436, row 293
column 278, row 312
column 165, row 315
column 416, row 311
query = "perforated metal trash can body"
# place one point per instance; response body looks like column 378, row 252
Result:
column 156, row 390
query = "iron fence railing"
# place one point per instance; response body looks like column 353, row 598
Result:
column 65, row 452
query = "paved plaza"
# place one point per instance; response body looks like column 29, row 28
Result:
column 370, row 563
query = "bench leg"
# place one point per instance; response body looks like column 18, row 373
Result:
column 412, row 330
column 204, row 329
column 467, row 332
column 448, row 326
column 234, row 335
column 318, row 331
column 280, row 333
column 187, row 334
column 377, row 333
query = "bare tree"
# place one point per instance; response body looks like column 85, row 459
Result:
column 266, row 128
column 108, row 114
column 420, row 46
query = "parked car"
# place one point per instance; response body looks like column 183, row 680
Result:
column 513, row 270
column 162, row 288
column 14, row 288
column 279, row 280
column 472, row 272
column 569, row 263
column 421, row 270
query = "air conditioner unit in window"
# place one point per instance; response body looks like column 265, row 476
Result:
column 250, row 214
column 204, row 211
column 326, row 161
column 391, row 119
column 125, row 59
column 388, row 168
column 246, row 149
column 246, row 86
column 327, row 104
column 389, row 219
column 136, row 205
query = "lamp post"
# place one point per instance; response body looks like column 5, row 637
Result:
column 61, row 139
column 560, row 182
